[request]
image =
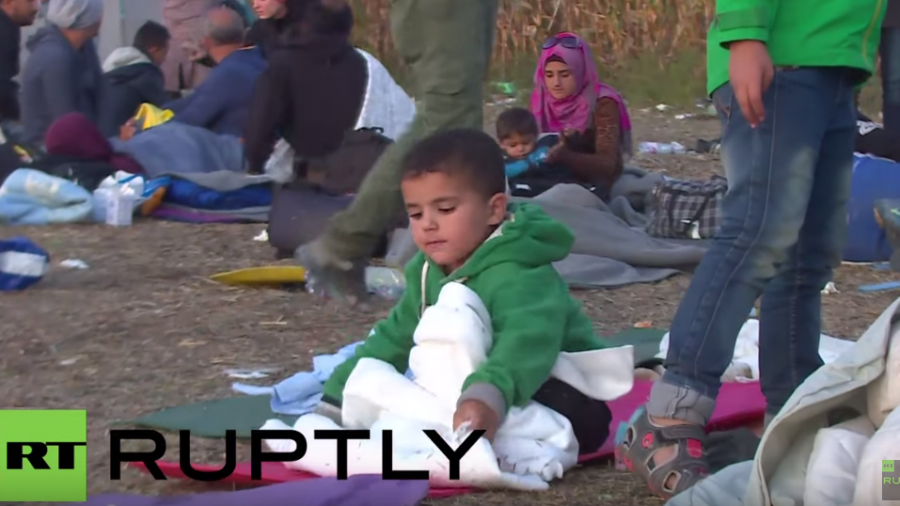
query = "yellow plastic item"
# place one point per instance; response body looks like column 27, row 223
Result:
column 261, row 276
column 149, row 116
column 153, row 201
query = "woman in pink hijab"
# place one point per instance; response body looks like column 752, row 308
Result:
column 590, row 116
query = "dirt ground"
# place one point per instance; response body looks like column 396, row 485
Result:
column 143, row 328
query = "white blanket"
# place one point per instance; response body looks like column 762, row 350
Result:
column 745, row 364
column 386, row 105
column 533, row 446
column 800, row 462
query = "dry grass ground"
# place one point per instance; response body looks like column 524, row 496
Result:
column 143, row 328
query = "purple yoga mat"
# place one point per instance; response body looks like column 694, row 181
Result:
column 359, row 490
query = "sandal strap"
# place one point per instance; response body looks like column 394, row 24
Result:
column 679, row 433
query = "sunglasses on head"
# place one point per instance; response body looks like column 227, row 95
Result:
column 566, row 41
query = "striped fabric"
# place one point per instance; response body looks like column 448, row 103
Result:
column 22, row 264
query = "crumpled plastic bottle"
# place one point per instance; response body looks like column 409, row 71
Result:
column 385, row 282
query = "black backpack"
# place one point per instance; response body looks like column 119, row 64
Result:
column 342, row 171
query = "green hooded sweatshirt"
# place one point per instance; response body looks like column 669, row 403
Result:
column 798, row 33
column 534, row 317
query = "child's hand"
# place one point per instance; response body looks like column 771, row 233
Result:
column 479, row 416
column 569, row 132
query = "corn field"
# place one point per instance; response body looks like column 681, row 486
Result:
column 615, row 29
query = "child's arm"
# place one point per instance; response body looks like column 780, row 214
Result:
column 390, row 340
column 743, row 20
column 529, row 318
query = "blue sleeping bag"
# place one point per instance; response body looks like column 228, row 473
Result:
column 873, row 179
column 189, row 194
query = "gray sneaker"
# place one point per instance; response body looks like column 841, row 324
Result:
column 332, row 277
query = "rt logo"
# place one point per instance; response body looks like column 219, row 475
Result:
column 43, row 456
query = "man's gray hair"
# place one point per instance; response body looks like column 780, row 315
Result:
column 225, row 27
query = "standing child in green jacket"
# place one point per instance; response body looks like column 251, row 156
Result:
column 782, row 75
column 454, row 186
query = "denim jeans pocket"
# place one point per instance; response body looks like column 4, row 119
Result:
column 723, row 101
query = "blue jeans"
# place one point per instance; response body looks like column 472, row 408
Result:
column 890, row 77
column 783, row 227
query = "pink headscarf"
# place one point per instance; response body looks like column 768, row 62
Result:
column 555, row 115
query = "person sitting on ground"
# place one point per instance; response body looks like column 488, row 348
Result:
column 222, row 102
column 267, row 30
column 528, row 168
column 14, row 14
column 63, row 71
column 454, row 187
column 569, row 99
column 185, row 21
column 133, row 77
column 242, row 9
column 313, row 89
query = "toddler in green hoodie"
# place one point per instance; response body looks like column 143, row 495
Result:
column 454, row 187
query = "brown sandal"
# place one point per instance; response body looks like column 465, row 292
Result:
column 686, row 468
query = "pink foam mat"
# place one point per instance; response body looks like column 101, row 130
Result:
column 738, row 404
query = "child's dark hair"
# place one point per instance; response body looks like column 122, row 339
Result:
column 151, row 35
column 516, row 121
column 467, row 152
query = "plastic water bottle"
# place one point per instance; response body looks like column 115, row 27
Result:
column 385, row 282
column 661, row 148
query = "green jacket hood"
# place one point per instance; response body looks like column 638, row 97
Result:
column 529, row 237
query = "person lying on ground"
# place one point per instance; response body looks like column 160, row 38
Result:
column 783, row 82
column 569, row 99
column 133, row 77
column 448, row 69
column 14, row 14
column 222, row 102
column 170, row 148
column 454, row 187
column 313, row 89
column 63, row 73
column 533, row 163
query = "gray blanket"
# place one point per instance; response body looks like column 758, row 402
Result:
column 182, row 149
column 611, row 248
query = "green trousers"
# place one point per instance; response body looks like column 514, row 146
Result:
column 447, row 47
